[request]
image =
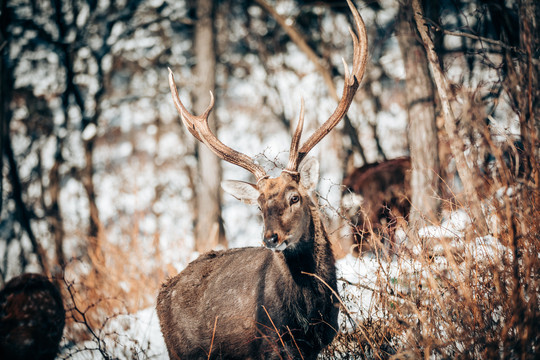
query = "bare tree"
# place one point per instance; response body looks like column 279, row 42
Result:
column 456, row 143
column 22, row 213
column 423, row 141
column 3, row 101
column 209, row 226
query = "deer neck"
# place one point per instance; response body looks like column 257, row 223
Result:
column 314, row 260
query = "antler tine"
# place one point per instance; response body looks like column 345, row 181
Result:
column 198, row 127
column 184, row 114
column 293, row 153
column 352, row 81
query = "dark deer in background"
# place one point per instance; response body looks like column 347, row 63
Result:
column 377, row 197
column 32, row 318
column 273, row 302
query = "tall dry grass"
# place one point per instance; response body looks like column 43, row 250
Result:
column 455, row 292
column 115, row 280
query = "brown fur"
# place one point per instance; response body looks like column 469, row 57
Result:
column 255, row 303
column 385, row 188
column 32, row 318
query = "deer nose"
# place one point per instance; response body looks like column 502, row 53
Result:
column 271, row 241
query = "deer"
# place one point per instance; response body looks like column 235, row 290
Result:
column 277, row 301
column 32, row 318
column 376, row 196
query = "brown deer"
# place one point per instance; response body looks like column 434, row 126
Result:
column 32, row 318
column 378, row 195
column 273, row 302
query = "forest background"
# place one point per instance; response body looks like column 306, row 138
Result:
column 104, row 190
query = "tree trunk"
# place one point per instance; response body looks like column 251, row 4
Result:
column 456, row 144
column 3, row 93
column 529, row 96
column 87, row 179
column 56, row 222
column 209, row 226
column 422, row 132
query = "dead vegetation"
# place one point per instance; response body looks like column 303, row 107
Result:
column 460, row 297
column 455, row 290
column 104, row 292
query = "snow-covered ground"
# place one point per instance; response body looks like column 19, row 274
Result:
column 133, row 336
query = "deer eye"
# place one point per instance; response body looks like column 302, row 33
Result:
column 294, row 199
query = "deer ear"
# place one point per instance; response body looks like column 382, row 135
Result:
column 309, row 173
column 241, row 190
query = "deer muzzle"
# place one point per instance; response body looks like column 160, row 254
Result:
column 275, row 242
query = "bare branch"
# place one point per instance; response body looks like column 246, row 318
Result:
column 483, row 39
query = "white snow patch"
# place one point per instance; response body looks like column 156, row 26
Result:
column 127, row 335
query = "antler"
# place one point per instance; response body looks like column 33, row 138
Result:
column 198, row 127
column 352, row 81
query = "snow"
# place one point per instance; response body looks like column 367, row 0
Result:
column 89, row 132
column 358, row 276
column 449, row 228
column 129, row 337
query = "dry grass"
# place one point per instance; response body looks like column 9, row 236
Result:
column 458, row 295
column 465, row 294
column 115, row 280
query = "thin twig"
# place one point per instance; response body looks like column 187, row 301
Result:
column 213, row 335
column 85, row 321
column 499, row 43
column 275, row 328
column 294, row 341
column 494, row 42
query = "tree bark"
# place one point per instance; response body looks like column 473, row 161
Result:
column 422, row 132
column 456, row 144
column 56, row 222
column 3, row 92
column 87, row 179
column 209, row 230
